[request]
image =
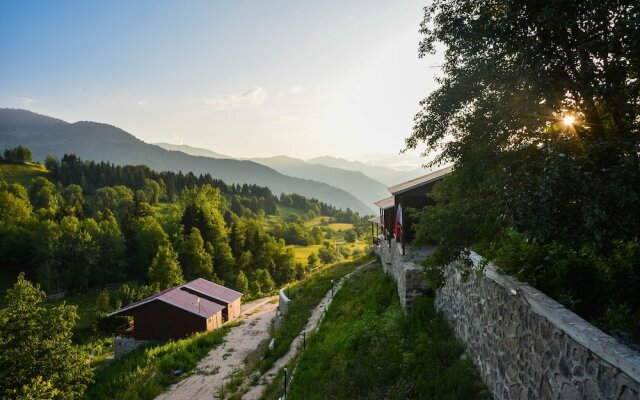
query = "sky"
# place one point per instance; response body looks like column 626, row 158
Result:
column 243, row 78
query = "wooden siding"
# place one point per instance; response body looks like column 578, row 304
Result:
column 158, row 320
column 414, row 198
column 234, row 310
column 214, row 322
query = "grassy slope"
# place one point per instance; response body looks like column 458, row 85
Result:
column 368, row 348
column 147, row 372
column 305, row 296
column 21, row 173
column 301, row 253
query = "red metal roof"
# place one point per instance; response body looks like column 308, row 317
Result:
column 213, row 290
column 178, row 297
column 191, row 302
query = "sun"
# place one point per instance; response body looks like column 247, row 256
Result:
column 569, row 120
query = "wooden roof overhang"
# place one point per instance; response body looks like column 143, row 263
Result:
column 421, row 181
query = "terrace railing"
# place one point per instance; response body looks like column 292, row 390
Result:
column 125, row 330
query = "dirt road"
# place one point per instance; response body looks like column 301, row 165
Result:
column 219, row 364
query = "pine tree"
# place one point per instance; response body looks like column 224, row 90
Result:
column 165, row 269
column 196, row 262
column 242, row 283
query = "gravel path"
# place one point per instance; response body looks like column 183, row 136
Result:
column 221, row 362
column 312, row 323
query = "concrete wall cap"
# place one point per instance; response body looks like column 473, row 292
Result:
column 587, row 335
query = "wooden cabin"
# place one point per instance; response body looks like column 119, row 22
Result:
column 175, row 313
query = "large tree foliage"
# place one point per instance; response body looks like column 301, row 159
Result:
column 165, row 269
column 37, row 358
column 15, row 208
column 85, row 224
column 556, row 201
column 18, row 154
column 196, row 262
column 204, row 207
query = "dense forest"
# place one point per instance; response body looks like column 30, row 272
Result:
column 88, row 224
column 116, row 234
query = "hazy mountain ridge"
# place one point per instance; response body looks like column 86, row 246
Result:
column 360, row 185
column 194, row 151
column 386, row 175
column 364, row 188
column 102, row 142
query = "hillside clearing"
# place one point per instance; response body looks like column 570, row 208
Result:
column 21, row 173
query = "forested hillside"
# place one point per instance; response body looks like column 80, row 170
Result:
column 84, row 224
column 102, row 142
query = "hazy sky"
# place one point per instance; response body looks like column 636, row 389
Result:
column 244, row 78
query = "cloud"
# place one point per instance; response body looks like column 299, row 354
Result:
column 250, row 97
column 26, row 101
column 176, row 139
column 140, row 103
column 293, row 90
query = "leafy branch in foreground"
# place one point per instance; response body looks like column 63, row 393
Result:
column 37, row 357
column 538, row 109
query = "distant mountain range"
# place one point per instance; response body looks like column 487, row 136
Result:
column 363, row 187
column 194, row 151
column 386, row 175
column 102, row 142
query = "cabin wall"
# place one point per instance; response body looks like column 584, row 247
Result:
column 389, row 219
column 215, row 321
column 415, row 198
column 158, row 320
column 234, row 309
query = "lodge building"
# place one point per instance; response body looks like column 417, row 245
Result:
column 177, row 312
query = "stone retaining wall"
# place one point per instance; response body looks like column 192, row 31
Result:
column 283, row 307
column 122, row 345
column 283, row 302
column 527, row 346
column 408, row 276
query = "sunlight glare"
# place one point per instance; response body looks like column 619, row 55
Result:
column 569, row 120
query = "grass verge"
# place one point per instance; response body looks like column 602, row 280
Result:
column 368, row 348
column 147, row 372
column 305, row 296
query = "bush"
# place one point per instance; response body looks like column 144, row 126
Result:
column 350, row 236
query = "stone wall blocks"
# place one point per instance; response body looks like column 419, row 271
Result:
column 569, row 392
column 590, row 390
column 606, row 385
column 592, row 368
column 514, row 391
column 522, row 345
column 545, row 330
column 628, row 394
column 578, row 372
column 625, row 387
column 564, row 368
